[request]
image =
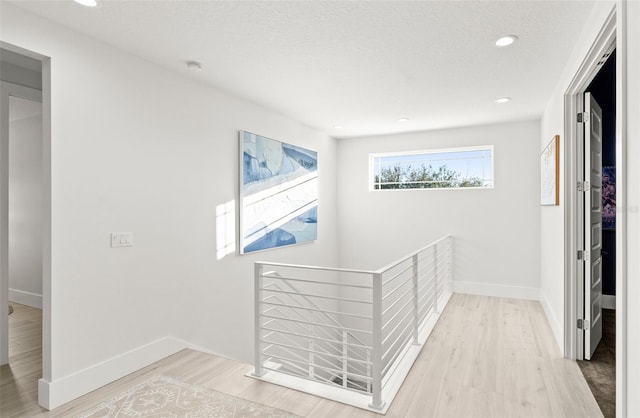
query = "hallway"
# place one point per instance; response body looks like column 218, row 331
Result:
column 487, row 357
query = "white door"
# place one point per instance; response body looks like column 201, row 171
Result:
column 592, row 226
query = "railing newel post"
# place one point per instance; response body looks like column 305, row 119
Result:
column 258, row 270
column 345, row 355
column 416, row 311
column 368, row 370
column 449, row 263
column 376, row 370
column 435, row 278
column 312, row 357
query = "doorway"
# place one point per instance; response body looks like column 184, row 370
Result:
column 599, row 333
column 25, row 220
column 578, row 309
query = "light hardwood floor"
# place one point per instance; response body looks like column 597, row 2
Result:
column 487, row 357
column 19, row 379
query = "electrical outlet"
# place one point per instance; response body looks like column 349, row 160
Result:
column 121, row 239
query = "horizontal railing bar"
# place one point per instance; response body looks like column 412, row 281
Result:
column 358, row 367
column 365, row 362
column 317, row 268
column 315, row 338
column 425, row 268
column 303, row 319
column 317, row 296
column 394, row 303
column 408, row 303
column 422, row 316
column 283, row 304
column 298, row 304
column 302, row 358
column 425, row 281
column 310, row 302
column 397, row 352
column 318, row 324
column 396, row 362
column 279, row 277
column 339, row 371
column 384, row 341
column 427, row 306
column 425, row 310
column 264, row 350
column 425, row 289
column 306, row 336
column 318, row 310
column 405, row 258
column 398, row 275
column 384, row 297
column 317, row 343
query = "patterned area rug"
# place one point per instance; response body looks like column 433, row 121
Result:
column 162, row 396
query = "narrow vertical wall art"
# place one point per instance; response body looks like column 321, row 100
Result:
column 550, row 173
column 278, row 193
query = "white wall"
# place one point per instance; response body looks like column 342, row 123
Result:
column 497, row 241
column 137, row 148
column 25, row 209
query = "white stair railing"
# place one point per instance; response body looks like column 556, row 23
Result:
column 348, row 335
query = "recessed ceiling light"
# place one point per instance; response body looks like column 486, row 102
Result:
column 88, row 3
column 403, row 120
column 506, row 40
column 503, row 100
column 338, row 126
column 194, row 66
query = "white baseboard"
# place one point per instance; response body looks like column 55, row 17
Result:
column 60, row 391
column 556, row 326
column 25, row 298
column 608, row 301
column 502, row 291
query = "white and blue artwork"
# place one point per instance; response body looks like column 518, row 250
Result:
column 278, row 193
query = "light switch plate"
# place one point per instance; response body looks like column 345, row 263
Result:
column 121, row 239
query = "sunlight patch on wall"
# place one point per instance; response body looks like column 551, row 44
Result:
column 225, row 229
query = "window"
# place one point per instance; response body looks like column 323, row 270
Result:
column 444, row 168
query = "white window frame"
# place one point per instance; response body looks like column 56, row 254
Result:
column 373, row 156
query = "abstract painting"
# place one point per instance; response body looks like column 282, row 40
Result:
column 278, row 193
column 550, row 173
column 608, row 197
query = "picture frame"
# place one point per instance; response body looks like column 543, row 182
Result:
column 550, row 173
column 278, row 199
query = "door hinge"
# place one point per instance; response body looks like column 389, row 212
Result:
column 583, row 255
column 583, row 117
column 583, row 324
column 583, row 186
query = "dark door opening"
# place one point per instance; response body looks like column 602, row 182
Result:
column 600, row 371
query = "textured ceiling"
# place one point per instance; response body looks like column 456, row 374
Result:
column 361, row 64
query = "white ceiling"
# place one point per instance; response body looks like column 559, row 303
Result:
column 361, row 64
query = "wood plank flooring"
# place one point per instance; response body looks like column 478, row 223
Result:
column 19, row 379
column 487, row 357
